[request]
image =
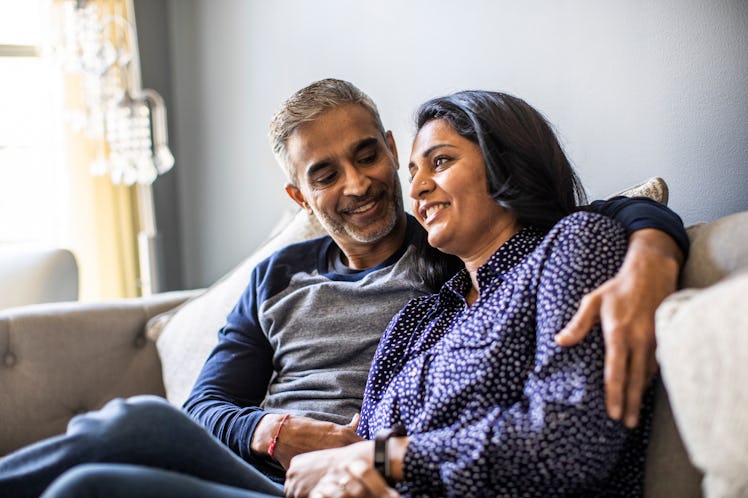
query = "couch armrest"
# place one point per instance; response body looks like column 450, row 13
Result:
column 60, row 359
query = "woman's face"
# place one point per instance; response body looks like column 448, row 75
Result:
column 450, row 194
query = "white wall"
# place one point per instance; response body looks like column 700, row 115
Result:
column 635, row 89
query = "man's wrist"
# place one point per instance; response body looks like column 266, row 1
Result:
column 264, row 432
column 659, row 244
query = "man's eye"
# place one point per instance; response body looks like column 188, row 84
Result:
column 368, row 158
column 325, row 179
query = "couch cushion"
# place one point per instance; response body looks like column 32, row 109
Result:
column 59, row 359
column 718, row 249
column 702, row 348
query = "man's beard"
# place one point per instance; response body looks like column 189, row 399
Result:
column 383, row 227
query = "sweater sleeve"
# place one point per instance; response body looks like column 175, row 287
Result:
column 233, row 382
column 557, row 434
column 637, row 213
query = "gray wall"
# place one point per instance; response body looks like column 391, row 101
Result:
column 635, row 89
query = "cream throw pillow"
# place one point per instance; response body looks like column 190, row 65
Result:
column 702, row 349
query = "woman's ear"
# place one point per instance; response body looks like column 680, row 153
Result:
column 295, row 194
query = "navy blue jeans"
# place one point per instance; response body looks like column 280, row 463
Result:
column 119, row 480
column 145, row 438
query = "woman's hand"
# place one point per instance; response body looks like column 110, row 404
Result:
column 308, row 469
column 625, row 307
column 357, row 479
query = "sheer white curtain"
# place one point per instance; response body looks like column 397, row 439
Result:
column 48, row 194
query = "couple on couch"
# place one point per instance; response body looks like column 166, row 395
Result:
column 473, row 389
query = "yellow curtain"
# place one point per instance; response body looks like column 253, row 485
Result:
column 104, row 216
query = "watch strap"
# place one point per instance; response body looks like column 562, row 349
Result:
column 381, row 458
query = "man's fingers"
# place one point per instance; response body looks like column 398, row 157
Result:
column 637, row 382
column 353, row 424
column 615, row 374
column 582, row 321
column 640, row 372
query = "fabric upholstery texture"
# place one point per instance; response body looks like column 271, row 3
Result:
column 718, row 249
column 702, row 349
column 60, row 359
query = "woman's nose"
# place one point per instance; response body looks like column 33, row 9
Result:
column 419, row 185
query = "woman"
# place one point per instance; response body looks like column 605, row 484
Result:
column 491, row 405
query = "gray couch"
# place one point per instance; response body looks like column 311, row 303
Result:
column 57, row 360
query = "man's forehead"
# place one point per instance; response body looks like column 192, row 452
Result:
column 334, row 132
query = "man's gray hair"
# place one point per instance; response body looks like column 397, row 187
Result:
column 305, row 106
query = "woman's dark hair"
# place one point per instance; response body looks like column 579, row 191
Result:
column 526, row 169
column 434, row 266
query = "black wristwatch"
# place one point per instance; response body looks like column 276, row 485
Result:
column 381, row 459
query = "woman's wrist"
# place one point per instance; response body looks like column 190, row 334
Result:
column 396, row 448
column 382, row 457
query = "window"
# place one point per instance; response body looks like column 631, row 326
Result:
column 33, row 189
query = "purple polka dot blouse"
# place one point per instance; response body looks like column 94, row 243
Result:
column 492, row 405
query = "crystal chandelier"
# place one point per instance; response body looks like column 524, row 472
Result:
column 127, row 122
column 96, row 41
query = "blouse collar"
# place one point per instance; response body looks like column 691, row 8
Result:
column 510, row 254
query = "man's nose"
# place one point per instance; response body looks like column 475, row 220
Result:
column 357, row 183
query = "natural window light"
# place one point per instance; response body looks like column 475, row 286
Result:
column 33, row 204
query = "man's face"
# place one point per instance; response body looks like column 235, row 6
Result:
column 346, row 175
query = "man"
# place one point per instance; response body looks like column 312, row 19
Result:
column 292, row 360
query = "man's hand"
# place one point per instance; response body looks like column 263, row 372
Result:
column 625, row 307
column 307, row 470
column 301, row 435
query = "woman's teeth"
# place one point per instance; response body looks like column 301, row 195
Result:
column 433, row 209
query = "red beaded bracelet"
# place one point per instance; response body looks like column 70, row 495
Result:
column 271, row 446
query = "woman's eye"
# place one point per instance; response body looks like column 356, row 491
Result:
column 440, row 161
